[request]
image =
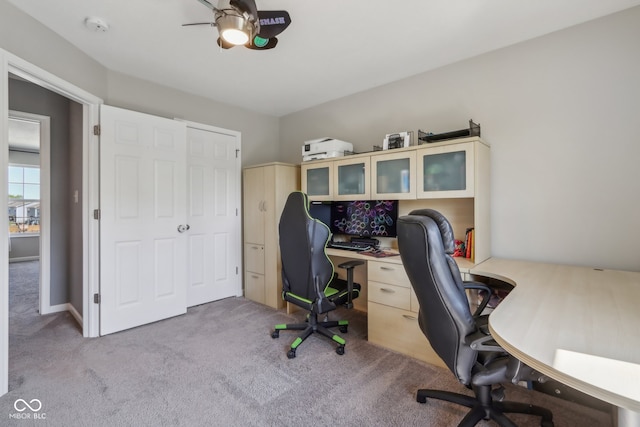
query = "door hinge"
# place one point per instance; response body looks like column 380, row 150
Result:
column 96, row 214
column 237, row 151
column 96, row 298
column 236, row 211
column 96, row 130
column 236, row 269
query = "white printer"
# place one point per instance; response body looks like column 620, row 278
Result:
column 324, row 148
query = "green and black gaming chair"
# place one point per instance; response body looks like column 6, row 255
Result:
column 308, row 278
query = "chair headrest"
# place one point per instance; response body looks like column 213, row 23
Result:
column 446, row 231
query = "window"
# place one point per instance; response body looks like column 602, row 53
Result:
column 24, row 199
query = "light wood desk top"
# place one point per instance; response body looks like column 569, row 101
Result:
column 464, row 264
column 578, row 325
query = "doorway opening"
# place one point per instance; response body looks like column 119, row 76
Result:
column 84, row 112
column 28, row 209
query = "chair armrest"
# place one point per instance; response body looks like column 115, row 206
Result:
column 349, row 266
column 484, row 343
column 480, row 287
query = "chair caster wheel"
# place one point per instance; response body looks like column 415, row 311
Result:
column 344, row 329
column 340, row 350
column 421, row 399
column 291, row 354
column 275, row 334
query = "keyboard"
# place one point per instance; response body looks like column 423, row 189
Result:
column 349, row 246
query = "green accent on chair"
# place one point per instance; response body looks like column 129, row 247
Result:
column 281, row 327
column 339, row 340
column 343, row 322
column 297, row 342
column 329, row 291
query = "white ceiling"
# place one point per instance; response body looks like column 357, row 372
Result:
column 332, row 48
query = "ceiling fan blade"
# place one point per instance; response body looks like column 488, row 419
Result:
column 209, row 5
column 273, row 22
column 225, row 45
column 262, row 44
column 248, row 6
column 213, row 24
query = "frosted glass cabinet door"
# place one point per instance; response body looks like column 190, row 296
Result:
column 446, row 171
column 393, row 176
column 352, row 179
column 317, row 181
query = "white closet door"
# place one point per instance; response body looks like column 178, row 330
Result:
column 143, row 252
column 214, row 215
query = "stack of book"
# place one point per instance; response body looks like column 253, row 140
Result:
column 469, row 243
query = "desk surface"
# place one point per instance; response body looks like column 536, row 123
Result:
column 465, row 264
column 578, row 325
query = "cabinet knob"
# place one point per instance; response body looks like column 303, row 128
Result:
column 406, row 316
column 389, row 291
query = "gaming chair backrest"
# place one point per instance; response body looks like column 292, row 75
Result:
column 425, row 240
column 302, row 249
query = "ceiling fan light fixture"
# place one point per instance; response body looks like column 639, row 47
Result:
column 235, row 29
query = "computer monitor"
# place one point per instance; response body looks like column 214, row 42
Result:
column 365, row 218
column 321, row 211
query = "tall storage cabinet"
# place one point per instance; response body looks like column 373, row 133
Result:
column 265, row 191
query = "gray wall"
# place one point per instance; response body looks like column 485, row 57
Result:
column 31, row 41
column 260, row 133
column 28, row 39
column 30, row 98
column 559, row 111
column 24, row 248
column 561, row 115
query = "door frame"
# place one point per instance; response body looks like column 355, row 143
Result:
column 9, row 63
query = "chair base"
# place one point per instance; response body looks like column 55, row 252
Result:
column 312, row 325
column 487, row 410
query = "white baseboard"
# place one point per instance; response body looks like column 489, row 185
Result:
column 64, row 307
column 56, row 308
column 75, row 314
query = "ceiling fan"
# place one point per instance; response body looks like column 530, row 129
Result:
column 239, row 22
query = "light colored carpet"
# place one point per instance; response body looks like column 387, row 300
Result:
column 218, row 366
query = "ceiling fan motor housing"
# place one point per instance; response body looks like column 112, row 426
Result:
column 233, row 20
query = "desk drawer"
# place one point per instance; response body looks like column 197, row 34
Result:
column 254, row 287
column 254, row 258
column 386, row 272
column 391, row 295
column 398, row 330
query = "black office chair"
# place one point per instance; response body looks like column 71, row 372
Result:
column 308, row 278
column 462, row 340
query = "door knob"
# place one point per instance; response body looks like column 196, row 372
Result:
column 182, row 228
